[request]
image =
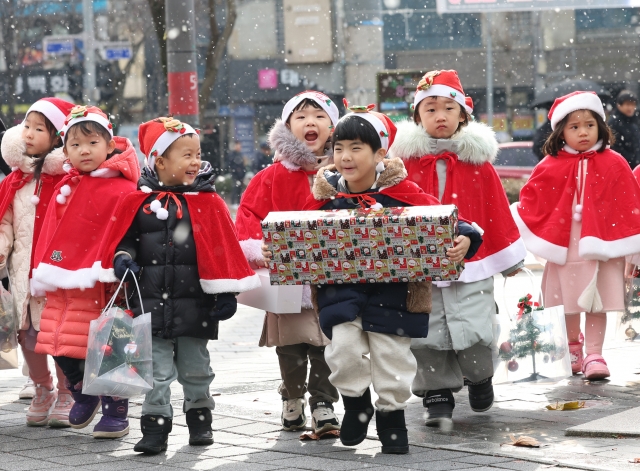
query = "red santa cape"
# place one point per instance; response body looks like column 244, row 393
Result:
column 221, row 265
column 472, row 185
column 66, row 254
column 610, row 207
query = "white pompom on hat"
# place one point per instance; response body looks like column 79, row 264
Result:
column 575, row 101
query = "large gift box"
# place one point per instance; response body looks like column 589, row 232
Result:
column 362, row 245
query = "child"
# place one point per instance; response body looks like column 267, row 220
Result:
column 187, row 276
column 33, row 148
column 579, row 211
column 299, row 140
column 374, row 319
column 450, row 158
column 101, row 170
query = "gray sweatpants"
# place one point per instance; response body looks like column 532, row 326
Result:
column 184, row 358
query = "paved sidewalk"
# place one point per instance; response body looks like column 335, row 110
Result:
column 248, row 435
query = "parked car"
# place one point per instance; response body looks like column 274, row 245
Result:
column 515, row 160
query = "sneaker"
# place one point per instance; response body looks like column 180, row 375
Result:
column 322, row 418
column 59, row 416
column 28, row 390
column 293, row 417
column 480, row 395
column 41, row 406
column 439, row 404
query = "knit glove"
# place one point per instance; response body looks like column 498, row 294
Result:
column 123, row 262
column 225, row 308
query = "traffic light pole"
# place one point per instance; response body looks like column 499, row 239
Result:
column 90, row 90
column 182, row 76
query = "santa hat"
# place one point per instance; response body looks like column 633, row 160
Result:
column 384, row 127
column 157, row 135
column 320, row 98
column 445, row 83
column 54, row 109
column 468, row 103
column 575, row 101
column 81, row 113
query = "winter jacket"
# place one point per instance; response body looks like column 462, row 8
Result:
column 627, row 134
column 64, row 327
column 165, row 251
column 17, row 238
column 395, row 308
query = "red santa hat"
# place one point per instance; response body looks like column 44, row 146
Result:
column 54, row 109
column 384, row 127
column 468, row 102
column 575, row 101
column 444, row 83
column 81, row 113
column 157, row 135
column 320, row 98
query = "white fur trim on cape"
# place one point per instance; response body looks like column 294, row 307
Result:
column 494, row 263
column 536, row 245
column 231, row 285
column 252, row 249
column 14, row 153
column 67, row 279
column 39, row 289
column 592, row 248
column 476, row 143
column 105, row 173
column 288, row 148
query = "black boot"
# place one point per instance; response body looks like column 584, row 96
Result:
column 440, row 404
column 480, row 395
column 199, row 423
column 357, row 415
column 155, row 434
column 392, row 432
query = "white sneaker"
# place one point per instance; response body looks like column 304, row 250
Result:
column 28, row 390
column 293, row 417
column 323, row 418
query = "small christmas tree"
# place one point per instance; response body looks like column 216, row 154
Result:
column 525, row 340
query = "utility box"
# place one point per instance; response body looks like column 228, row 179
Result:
column 308, row 31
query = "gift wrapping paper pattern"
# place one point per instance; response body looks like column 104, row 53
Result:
column 362, row 245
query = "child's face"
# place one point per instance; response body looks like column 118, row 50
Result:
column 356, row 162
column 87, row 152
column 180, row 164
column 311, row 126
column 439, row 116
column 581, row 131
column 35, row 135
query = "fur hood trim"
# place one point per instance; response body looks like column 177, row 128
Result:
column 475, row 143
column 14, row 154
column 393, row 174
column 290, row 150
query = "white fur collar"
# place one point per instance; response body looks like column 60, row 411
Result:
column 475, row 143
column 14, row 154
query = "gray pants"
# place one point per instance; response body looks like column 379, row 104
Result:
column 293, row 369
column 184, row 358
column 446, row 369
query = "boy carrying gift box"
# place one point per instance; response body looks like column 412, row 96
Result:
column 300, row 139
column 175, row 234
column 374, row 319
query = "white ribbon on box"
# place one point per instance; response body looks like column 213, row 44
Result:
column 279, row 299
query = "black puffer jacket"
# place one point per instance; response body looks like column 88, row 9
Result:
column 165, row 250
column 627, row 134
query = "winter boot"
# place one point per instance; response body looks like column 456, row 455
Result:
column 114, row 422
column 293, row 417
column 392, row 432
column 480, row 395
column 357, row 415
column 323, row 418
column 41, row 406
column 577, row 356
column 155, row 434
column 199, row 423
column 440, row 404
column 84, row 408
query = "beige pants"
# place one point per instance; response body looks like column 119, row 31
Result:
column 391, row 366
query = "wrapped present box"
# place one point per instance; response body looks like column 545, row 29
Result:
column 362, row 245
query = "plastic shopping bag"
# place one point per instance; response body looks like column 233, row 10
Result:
column 119, row 360
column 630, row 318
column 8, row 322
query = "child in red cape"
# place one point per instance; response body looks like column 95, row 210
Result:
column 34, row 151
column 579, row 211
column 450, row 157
column 101, row 170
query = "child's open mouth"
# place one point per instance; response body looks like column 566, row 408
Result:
column 311, row 136
column 191, row 173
